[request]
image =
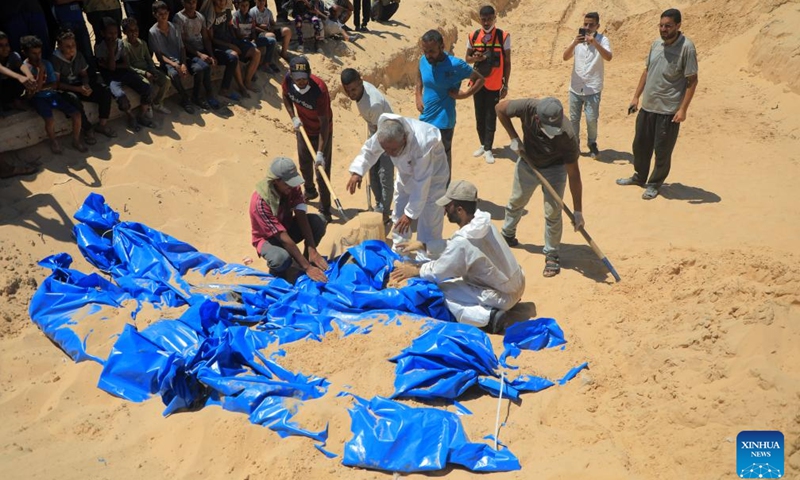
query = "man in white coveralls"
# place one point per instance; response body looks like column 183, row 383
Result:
column 417, row 153
column 475, row 269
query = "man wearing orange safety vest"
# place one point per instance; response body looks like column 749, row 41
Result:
column 489, row 48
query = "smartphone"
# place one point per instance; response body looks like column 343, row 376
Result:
column 582, row 31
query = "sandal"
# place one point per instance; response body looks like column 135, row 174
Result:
column 551, row 266
column 89, row 138
column 650, row 192
column 80, row 147
column 105, row 130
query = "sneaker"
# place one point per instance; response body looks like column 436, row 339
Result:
column 489, row 156
column 162, row 109
column 478, row 152
column 593, row 151
column 299, row 49
column 148, row 114
column 511, row 241
column 363, row 28
column 311, row 194
column 629, row 181
column 495, row 324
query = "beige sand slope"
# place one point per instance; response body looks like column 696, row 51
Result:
column 697, row 343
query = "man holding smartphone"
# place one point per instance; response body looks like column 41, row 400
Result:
column 591, row 50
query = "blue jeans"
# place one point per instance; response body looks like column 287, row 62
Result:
column 269, row 48
column 591, row 105
column 525, row 183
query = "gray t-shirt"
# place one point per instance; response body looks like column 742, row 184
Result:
column 69, row 71
column 542, row 150
column 169, row 45
column 191, row 29
column 667, row 69
column 372, row 105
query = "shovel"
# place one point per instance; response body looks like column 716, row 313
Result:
column 321, row 172
column 583, row 232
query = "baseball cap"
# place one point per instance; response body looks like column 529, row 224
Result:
column 551, row 114
column 299, row 68
column 284, row 169
column 460, row 190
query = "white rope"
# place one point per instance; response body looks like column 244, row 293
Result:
column 499, row 403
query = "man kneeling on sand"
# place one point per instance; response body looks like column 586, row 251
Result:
column 279, row 220
column 475, row 269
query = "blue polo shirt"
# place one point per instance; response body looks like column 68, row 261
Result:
column 439, row 108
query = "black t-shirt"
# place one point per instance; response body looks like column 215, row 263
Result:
column 220, row 26
column 542, row 150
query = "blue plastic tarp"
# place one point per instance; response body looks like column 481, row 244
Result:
column 388, row 435
column 215, row 353
column 443, row 362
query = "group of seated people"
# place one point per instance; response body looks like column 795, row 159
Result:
column 239, row 35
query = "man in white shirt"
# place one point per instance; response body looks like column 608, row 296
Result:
column 476, row 271
column 417, row 153
column 591, row 50
column 371, row 105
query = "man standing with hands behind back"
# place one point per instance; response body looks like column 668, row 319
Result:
column 591, row 50
column 668, row 82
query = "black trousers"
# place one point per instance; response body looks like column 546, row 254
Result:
column 447, row 142
column 654, row 133
column 485, row 115
column 307, row 167
column 101, row 95
column 358, row 7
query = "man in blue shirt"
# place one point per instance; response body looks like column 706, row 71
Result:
column 438, row 87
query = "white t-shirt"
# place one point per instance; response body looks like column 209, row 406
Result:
column 191, row 29
column 587, row 69
column 372, row 105
column 262, row 18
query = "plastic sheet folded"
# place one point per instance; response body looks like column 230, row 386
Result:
column 388, row 435
column 443, row 362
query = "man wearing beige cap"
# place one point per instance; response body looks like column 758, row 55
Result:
column 549, row 146
column 475, row 269
column 279, row 221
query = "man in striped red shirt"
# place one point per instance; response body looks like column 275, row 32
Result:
column 279, row 221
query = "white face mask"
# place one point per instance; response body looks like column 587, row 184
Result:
column 302, row 90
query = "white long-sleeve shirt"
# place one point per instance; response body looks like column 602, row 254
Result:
column 477, row 254
column 421, row 166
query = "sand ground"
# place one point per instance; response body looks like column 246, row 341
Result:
column 695, row 345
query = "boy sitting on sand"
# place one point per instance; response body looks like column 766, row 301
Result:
column 266, row 27
column 73, row 79
column 166, row 41
column 44, row 96
column 141, row 62
column 230, row 50
column 246, row 27
column 113, row 65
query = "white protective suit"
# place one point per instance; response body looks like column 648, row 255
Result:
column 476, row 272
column 422, row 176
